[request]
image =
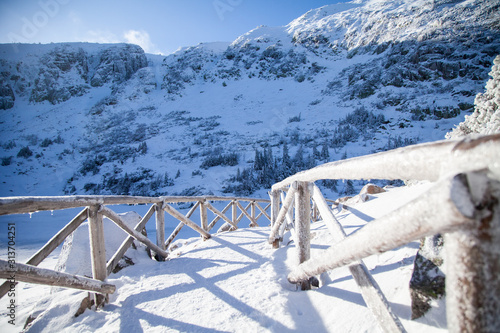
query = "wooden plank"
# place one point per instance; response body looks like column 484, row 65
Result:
column 33, row 274
column 51, row 245
column 180, row 225
column 288, row 216
column 473, row 263
column 303, row 226
column 97, row 250
column 110, row 266
column 426, row 161
column 172, row 211
column 22, row 205
column 226, row 226
column 137, row 235
column 203, row 216
column 220, row 214
column 371, row 292
column 274, row 237
column 252, row 214
column 160, row 225
column 244, row 211
column 263, row 211
column 443, row 208
column 97, row 245
column 275, row 206
column 217, row 218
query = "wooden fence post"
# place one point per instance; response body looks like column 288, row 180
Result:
column 234, row 212
column 160, row 229
column 97, row 250
column 203, row 215
column 303, row 225
column 473, row 263
column 275, row 206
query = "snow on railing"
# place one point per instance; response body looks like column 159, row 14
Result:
column 95, row 207
column 463, row 205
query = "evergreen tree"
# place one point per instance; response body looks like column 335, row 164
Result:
column 325, row 155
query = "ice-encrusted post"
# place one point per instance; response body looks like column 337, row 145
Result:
column 203, row 215
column 473, row 263
column 160, row 229
column 97, row 249
column 275, row 209
column 303, row 225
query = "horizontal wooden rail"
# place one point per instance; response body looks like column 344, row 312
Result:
column 23, row 205
column 33, row 274
column 427, row 161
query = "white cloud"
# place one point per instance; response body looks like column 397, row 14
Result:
column 101, row 36
column 142, row 39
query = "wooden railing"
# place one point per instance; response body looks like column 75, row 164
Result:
column 95, row 207
column 463, row 205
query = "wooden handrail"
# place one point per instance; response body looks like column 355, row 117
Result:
column 426, row 161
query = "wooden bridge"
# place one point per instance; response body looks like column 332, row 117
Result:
column 463, row 205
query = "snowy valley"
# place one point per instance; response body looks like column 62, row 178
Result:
column 340, row 81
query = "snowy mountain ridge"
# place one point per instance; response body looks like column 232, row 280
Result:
column 340, row 81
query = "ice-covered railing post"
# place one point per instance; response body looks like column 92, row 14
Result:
column 463, row 205
column 473, row 262
column 303, row 225
column 97, row 250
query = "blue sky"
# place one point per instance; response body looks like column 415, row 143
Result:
column 157, row 25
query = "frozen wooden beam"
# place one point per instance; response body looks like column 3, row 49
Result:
column 22, row 205
column 303, row 226
column 445, row 207
column 33, row 274
column 51, row 245
column 427, row 161
column 128, row 242
column 172, row 211
column 370, row 290
column 274, row 237
column 179, row 226
column 137, row 235
column 472, row 257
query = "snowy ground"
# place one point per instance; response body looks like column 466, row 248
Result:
column 235, row 282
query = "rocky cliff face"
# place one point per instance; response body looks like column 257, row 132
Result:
column 64, row 71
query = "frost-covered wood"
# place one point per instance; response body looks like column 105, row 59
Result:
column 473, row 263
column 97, row 249
column 33, row 274
column 203, row 215
column 179, row 226
column 303, row 226
column 274, row 237
column 110, row 266
column 427, row 161
column 445, row 207
column 217, row 218
column 22, row 205
column 371, row 292
column 172, row 211
column 263, row 211
column 220, row 214
column 137, row 235
column 51, row 245
column 245, row 212
column 160, row 225
column 288, row 217
column 275, row 206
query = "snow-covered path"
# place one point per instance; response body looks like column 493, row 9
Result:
column 235, row 282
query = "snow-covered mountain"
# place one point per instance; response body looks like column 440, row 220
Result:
column 339, row 81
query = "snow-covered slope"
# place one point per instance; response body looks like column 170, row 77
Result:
column 339, row 81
